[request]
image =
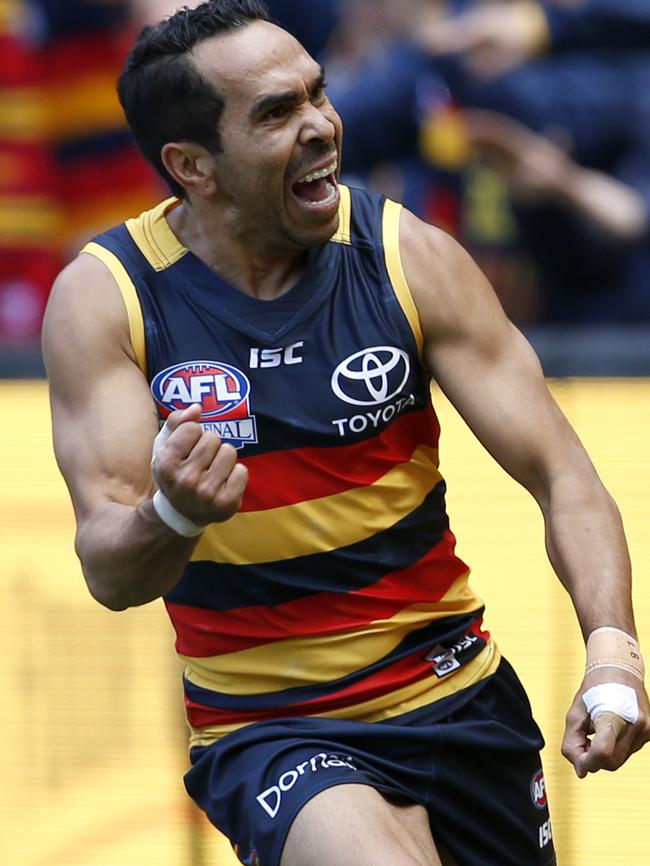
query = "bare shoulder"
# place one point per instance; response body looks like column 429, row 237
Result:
column 448, row 288
column 86, row 317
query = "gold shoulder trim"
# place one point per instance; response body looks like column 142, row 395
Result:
column 390, row 234
column 154, row 238
column 130, row 297
column 342, row 235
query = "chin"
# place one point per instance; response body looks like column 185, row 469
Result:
column 308, row 237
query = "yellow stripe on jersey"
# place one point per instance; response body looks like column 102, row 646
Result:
column 153, row 236
column 391, row 222
column 388, row 706
column 327, row 523
column 303, row 661
column 130, row 297
column 342, row 235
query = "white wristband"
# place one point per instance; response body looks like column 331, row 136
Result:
column 612, row 698
column 174, row 519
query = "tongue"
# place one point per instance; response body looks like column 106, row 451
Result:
column 315, row 190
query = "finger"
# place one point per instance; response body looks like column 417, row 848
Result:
column 574, row 746
column 192, row 413
column 170, row 458
column 205, row 450
column 576, row 737
column 235, row 484
column 603, row 753
column 228, row 497
column 217, row 473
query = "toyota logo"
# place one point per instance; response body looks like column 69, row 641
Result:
column 371, row 376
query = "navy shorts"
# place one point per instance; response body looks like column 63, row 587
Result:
column 472, row 760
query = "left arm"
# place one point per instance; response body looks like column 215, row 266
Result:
column 493, row 378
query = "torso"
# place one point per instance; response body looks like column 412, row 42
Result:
column 324, row 594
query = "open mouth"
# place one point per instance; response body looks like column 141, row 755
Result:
column 318, row 188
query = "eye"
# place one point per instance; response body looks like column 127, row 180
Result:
column 318, row 93
column 277, row 113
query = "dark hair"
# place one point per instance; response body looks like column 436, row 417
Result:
column 163, row 95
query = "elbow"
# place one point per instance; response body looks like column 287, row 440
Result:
column 105, row 594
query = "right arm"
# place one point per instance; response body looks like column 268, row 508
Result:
column 104, row 422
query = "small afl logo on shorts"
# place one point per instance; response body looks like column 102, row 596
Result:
column 538, row 790
column 221, row 390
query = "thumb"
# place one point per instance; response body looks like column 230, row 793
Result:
column 173, row 422
column 180, row 416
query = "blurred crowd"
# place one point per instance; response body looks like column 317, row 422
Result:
column 521, row 127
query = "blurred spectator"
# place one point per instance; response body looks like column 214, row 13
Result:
column 310, row 22
column 497, row 37
column 67, row 163
column 563, row 177
column 596, row 104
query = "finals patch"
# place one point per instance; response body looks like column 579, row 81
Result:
column 222, row 391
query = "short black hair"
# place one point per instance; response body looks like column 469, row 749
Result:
column 163, row 95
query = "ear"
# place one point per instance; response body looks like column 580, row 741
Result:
column 191, row 165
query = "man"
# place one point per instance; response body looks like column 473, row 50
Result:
column 499, row 36
column 345, row 703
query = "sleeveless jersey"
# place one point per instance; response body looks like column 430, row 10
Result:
column 335, row 590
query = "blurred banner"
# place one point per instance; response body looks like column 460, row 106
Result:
column 92, row 737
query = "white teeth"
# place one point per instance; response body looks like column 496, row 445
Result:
column 316, row 175
column 330, row 198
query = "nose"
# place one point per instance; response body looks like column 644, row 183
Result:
column 318, row 124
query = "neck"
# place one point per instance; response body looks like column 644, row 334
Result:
column 247, row 263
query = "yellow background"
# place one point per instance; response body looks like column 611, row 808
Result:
column 92, row 739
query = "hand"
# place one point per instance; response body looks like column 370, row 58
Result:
column 494, row 39
column 198, row 473
column 535, row 166
column 614, row 740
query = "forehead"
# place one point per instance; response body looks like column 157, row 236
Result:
column 254, row 60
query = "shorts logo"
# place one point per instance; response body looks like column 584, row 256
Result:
column 271, row 799
column 371, row 376
column 538, row 790
column 221, row 390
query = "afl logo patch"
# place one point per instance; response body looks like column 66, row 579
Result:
column 538, row 790
column 371, row 376
column 221, row 390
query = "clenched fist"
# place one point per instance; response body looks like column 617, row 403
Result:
column 197, row 472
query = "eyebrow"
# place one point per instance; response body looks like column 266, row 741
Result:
column 271, row 100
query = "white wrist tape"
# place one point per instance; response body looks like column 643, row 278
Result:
column 612, row 698
column 174, row 519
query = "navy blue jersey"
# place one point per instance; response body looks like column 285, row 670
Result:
column 335, row 590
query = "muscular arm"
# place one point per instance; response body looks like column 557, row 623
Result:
column 491, row 375
column 104, row 422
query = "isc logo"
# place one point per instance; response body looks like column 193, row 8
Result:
column 276, row 357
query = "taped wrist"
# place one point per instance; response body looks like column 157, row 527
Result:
column 174, row 519
column 610, row 647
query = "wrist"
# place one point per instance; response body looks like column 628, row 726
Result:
column 173, row 518
column 611, row 647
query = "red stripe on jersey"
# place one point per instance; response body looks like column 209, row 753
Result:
column 203, row 633
column 403, row 673
column 288, row 477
